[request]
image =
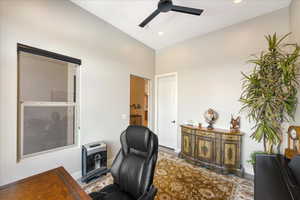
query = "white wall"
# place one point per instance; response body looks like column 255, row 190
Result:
column 108, row 57
column 295, row 20
column 209, row 71
column 295, row 29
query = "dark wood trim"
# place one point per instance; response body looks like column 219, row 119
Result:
column 41, row 52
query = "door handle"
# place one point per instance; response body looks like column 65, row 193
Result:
column 173, row 121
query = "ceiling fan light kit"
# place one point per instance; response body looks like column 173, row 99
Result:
column 166, row 6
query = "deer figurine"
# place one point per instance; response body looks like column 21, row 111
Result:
column 235, row 123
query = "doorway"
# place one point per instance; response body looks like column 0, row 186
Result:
column 139, row 101
column 166, row 110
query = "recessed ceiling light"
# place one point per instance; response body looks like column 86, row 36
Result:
column 237, row 1
column 160, row 33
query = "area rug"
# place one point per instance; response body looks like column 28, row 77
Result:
column 178, row 180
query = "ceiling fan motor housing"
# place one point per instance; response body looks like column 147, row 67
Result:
column 165, row 5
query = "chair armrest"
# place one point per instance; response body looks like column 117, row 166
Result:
column 149, row 195
column 104, row 172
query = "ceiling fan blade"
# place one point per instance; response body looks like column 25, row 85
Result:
column 186, row 10
column 148, row 19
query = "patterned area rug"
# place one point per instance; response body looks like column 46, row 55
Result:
column 178, row 180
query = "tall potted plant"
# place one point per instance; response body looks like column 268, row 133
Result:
column 269, row 91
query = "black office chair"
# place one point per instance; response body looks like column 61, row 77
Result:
column 133, row 168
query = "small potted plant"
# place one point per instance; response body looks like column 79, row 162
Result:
column 252, row 160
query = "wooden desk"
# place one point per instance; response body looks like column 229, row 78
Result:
column 56, row 184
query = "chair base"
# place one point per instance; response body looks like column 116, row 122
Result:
column 113, row 192
column 110, row 192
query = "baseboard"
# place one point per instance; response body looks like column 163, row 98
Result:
column 165, row 147
column 249, row 176
column 177, row 151
column 248, row 169
column 76, row 175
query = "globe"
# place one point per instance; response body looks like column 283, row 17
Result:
column 210, row 117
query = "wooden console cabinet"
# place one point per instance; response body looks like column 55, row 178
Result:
column 216, row 149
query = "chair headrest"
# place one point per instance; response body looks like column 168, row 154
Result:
column 138, row 138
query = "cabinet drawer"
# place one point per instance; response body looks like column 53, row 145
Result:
column 231, row 137
column 187, row 130
column 205, row 134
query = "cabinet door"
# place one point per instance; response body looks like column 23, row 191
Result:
column 231, row 155
column 205, row 149
column 187, row 145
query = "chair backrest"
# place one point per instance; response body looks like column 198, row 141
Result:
column 133, row 168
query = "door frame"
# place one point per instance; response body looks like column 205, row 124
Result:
column 157, row 77
column 150, row 99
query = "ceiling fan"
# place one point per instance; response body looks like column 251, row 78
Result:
column 166, row 6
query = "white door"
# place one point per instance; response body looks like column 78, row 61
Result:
column 167, row 110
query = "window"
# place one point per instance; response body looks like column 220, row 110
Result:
column 47, row 101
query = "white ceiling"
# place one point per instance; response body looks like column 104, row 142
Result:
column 126, row 15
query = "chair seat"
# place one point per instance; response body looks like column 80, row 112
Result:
column 110, row 192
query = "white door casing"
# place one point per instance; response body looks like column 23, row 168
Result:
column 166, row 109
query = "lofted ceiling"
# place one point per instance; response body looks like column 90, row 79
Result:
column 170, row 28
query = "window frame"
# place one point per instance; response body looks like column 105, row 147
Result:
column 22, row 104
